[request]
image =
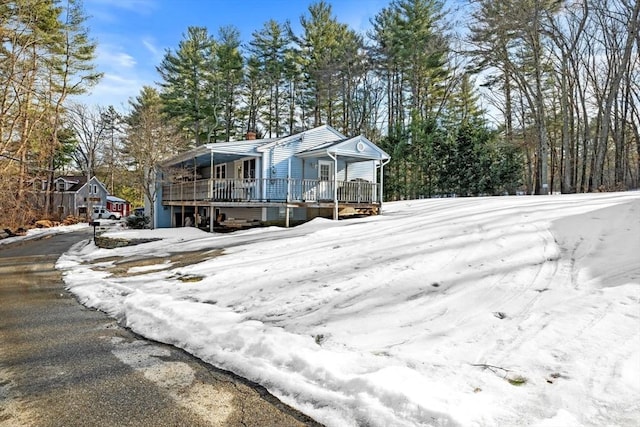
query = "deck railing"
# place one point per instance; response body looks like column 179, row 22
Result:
column 270, row 190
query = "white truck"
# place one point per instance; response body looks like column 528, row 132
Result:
column 100, row 212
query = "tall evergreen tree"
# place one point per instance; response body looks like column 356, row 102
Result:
column 410, row 57
column 319, row 55
column 229, row 75
column 255, row 93
column 269, row 47
column 191, row 91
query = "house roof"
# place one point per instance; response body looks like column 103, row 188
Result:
column 351, row 149
column 286, row 139
column 116, row 199
column 77, row 180
column 236, row 148
column 354, row 149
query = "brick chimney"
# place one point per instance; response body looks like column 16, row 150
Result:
column 251, row 135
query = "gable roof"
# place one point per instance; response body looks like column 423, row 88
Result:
column 356, row 149
column 116, row 199
column 287, row 139
column 79, row 181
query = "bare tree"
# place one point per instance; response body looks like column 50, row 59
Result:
column 151, row 137
column 91, row 133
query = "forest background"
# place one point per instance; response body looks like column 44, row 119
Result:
column 528, row 97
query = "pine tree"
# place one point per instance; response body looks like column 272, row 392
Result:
column 254, row 94
column 229, row 75
column 269, row 47
column 319, row 56
column 191, row 91
column 410, row 57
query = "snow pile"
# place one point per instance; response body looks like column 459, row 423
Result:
column 489, row 311
column 38, row 233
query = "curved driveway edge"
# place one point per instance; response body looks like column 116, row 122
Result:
column 62, row 364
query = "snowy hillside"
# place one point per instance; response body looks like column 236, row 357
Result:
column 480, row 311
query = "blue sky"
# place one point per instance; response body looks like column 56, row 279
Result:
column 132, row 35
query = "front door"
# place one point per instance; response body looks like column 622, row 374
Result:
column 239, row 169
column 325, row 178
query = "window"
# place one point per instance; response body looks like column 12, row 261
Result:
column 221, row 171
column 60, row 185
column 249, row 167
column 94, row 187
column 325, row 172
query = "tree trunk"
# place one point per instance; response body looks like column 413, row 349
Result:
column 602, row 137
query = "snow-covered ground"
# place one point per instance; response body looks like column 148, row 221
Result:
column 475, row 312
column 37, row 233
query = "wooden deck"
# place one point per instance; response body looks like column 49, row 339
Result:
column 270, row 192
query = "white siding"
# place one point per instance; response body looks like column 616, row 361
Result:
column 356, row 145
column 361, row 170
column 300, row 143
column 281, row 155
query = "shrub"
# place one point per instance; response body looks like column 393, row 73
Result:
column 138, row 222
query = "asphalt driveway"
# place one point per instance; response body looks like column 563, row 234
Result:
column 62, row 364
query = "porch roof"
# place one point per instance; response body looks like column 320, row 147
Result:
column 222, row 151
column 356, row 149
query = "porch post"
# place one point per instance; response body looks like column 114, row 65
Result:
column 335, row 186
column 211, row 178
column 195, row 176
column 212, row 217
column 289, row 180
column 381, row 185
column 286, row 215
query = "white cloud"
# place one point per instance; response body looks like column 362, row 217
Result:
column 149, row 44
column 115, row 89
column 112, row 57
column 121, row 80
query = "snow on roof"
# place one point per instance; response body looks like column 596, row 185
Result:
column 116, row 199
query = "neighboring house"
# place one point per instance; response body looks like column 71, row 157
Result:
column 116, row 204
column 73, row 195
column 319, row 172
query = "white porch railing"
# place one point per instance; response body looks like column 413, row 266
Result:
column 270, row 190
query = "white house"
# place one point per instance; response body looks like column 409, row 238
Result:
column 319, row 172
